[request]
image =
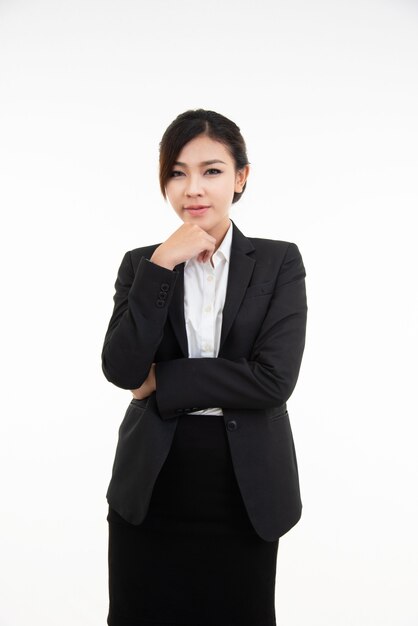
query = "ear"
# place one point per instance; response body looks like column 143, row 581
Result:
column 241, row 178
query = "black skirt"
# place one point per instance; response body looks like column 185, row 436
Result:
column 195, row 560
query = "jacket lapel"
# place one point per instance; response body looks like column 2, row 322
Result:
column 241, row 267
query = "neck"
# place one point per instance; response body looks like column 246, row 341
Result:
column 220, row 232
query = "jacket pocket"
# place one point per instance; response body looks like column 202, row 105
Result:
column 278, row 413
column 262, row 289
column 133, row 415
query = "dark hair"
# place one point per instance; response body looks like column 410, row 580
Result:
column 191, row 124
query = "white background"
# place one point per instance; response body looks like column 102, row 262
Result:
column 326, row 95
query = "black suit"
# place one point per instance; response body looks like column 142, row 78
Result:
column 262, row 342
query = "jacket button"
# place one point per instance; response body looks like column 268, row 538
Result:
column 160, row 304
column 165, row 287
column 232, row 425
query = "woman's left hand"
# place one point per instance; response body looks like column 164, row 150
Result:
column 147, row 387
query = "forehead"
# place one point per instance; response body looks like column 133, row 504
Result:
column 203, row 148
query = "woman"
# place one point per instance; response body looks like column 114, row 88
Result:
column 207, row 332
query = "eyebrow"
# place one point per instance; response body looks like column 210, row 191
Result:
column 211, row 162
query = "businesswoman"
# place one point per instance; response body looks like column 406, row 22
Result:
column 207, row 331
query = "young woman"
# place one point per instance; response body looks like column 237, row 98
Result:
column 207, row 331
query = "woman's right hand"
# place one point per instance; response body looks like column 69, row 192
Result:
column 147, row 387
column 186, row 242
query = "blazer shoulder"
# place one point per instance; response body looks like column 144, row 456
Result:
column 271, row 244
column 275, row 248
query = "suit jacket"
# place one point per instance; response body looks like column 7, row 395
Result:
column 262, row 342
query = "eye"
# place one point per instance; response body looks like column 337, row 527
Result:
column 213, row 171
column 176, row 174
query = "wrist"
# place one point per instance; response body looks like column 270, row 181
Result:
column 162, row 260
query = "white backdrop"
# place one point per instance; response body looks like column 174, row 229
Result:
column 326, row 95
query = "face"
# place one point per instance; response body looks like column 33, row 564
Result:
column 202, row 185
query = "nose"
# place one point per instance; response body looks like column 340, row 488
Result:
column 193, row 186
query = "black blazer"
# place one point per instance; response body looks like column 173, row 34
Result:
column 262, row 342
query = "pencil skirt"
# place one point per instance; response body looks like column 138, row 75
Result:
column 195, row 560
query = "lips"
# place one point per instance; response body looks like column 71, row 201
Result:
column 196, row 209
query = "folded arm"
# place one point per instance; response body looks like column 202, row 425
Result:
column 265, row 379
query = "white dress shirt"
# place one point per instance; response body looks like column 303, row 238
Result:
column 204, row 299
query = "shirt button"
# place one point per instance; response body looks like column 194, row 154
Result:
column 207, row 347
column 208, row 309
column 210, row 278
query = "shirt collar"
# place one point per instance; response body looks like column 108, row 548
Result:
column 224, row 249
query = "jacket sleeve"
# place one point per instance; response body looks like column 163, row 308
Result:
column 264, row 380
column 136, row 327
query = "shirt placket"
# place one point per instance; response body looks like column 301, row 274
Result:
column 207, row 333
